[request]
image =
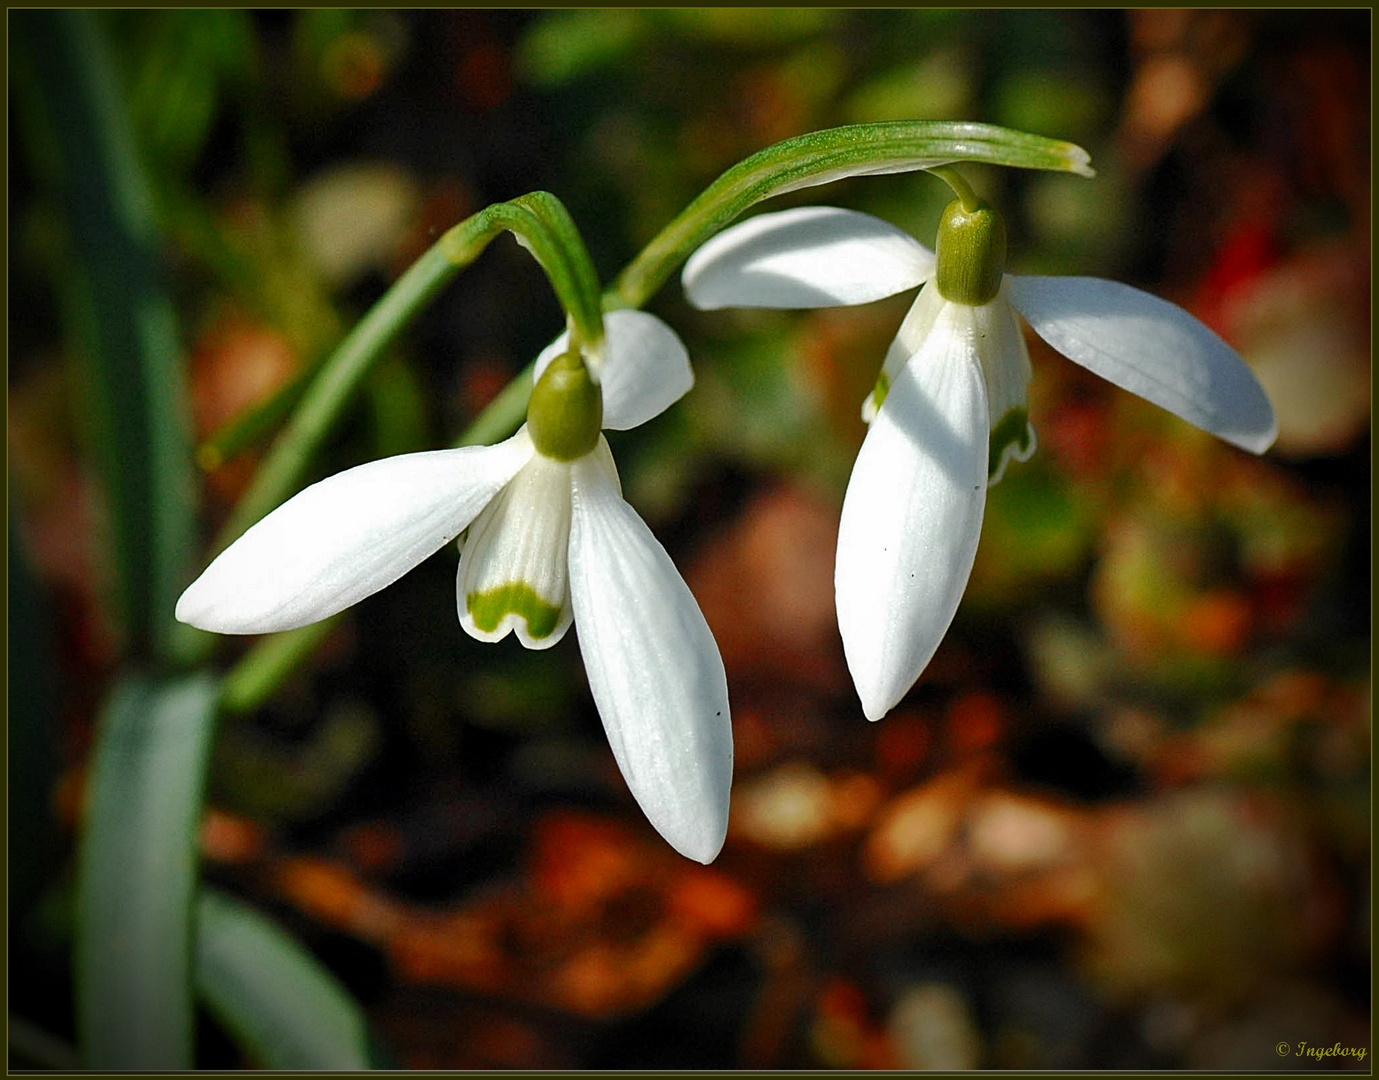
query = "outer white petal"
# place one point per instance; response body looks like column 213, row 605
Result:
column 653, row 667
column 912, row 515
column 645, row 370
column 813, row 256
column 346, row 537
column 913, row 332
column 1151, row 348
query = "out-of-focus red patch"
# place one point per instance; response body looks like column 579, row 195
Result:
column 236, row 364
column 336, row 897
column 374, row 848
column 902, row 744
column 1217, row 622
column 484, row 377
column 713, row 903
column 974, row 722
column 483, row 76
column 228, row 838
column 765, row 586
column 579, row 862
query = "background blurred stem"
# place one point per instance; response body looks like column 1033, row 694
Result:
column 262, row 669
column 78, row 140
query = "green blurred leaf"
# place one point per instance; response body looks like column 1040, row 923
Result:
column 271, row 779
column 117, row 310
column 1068, row 102
column 939, row 86
column 136, row 875
column 271, row 994
column 564, row 45
column 397, row 403
column 1037, row 529
column 181, row 61
column 750, row 27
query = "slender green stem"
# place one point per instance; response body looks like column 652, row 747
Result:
column 824, row 156
column 961, row 188
column 541, row 225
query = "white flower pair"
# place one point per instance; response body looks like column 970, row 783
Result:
column 550, row 539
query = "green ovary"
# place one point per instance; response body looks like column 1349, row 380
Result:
column 488, row 608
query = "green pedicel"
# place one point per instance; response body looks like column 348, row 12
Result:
column 488, row 608
column 565, row 414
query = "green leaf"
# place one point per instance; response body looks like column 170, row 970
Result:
column 136, row 875
column 117, row 312
column 285, row 1009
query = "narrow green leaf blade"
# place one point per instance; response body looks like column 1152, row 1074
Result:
column 136, row 875
column 271, row 994
column 117, row 310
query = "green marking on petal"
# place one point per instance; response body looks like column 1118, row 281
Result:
column 1012, row 436
column 489, row 607
column 880, row 390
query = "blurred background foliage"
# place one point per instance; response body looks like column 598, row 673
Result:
column 1122, row 821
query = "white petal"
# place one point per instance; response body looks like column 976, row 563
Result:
column 346, row 537
column 645, row 370
column 653, row 667
column 514, row 560
column 913, row 332
column 1151, row 348
column 912, row 515
column 813, row 256
column 1006, row 367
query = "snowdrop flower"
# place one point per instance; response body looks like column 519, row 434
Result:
column 949, row 408
column 550, row 541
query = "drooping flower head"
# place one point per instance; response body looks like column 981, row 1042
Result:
column 550, row 542
column 948, row 412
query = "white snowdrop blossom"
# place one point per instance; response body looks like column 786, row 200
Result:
column 949, row 408
column 550, row 541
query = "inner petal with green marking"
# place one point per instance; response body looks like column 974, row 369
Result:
column 1012, row 437
column 515, row 558
column 1006, row 369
